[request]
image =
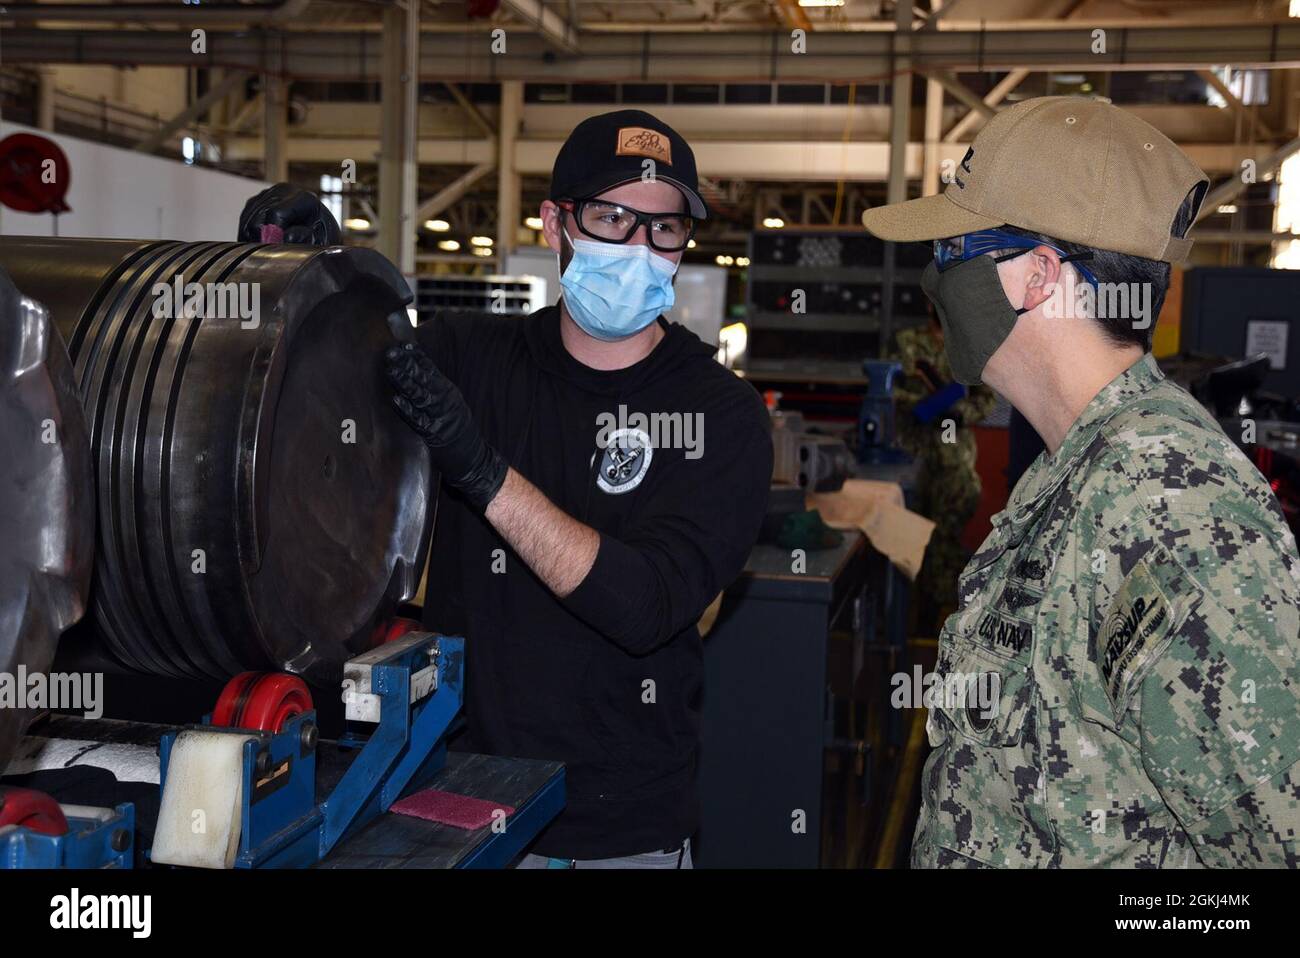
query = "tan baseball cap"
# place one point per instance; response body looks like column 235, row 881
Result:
column 1077, row 169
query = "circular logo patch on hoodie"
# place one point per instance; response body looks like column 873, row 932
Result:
column 624, row 461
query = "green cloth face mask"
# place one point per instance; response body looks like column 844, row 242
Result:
column 974, row 312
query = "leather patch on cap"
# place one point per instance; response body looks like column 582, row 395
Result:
column 638, row 141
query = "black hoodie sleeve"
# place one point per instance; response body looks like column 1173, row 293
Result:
column 440, row 336
column 690, row 540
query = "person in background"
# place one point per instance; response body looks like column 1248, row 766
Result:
column 935, row 416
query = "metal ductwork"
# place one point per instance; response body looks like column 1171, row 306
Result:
column 259, row 504
column 156, row 12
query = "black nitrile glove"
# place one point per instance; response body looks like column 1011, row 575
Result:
column 433, row 406
column 297, row 214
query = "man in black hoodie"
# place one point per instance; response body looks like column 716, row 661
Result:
column 605, row 479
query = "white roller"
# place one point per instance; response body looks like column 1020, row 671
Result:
column 198, row 823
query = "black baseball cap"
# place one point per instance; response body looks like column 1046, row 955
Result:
column 609, row 150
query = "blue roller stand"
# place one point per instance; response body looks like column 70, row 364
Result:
column 96, row 838
column 410, row 689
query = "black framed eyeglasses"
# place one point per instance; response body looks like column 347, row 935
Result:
column 616, row 223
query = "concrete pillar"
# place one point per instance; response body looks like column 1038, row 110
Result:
column 45, row 98
column 275, row 129
column 900, row 104
column 900, row 119
column 399, row 133
column 933, row 132
column 509, row 187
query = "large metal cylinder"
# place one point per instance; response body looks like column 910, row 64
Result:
column 259, row 503
column 47, row 530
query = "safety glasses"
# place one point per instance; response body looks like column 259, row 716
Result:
column 616, row 223
column 953, row 250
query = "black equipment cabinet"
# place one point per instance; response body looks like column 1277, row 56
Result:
column 1228, row 310
column 779, row 718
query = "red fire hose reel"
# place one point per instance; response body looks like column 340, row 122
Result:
column 34, row 174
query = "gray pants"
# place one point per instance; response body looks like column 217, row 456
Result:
column 677, row 858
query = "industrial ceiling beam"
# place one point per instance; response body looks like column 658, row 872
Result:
column 792, row 15
column 552, row 27
column 452, row 192
column 1236, row 185
column 663, row 57
column 190, row 15
column 1241, row 236
column 994, row 97
column 742, row 159
column 191, row 113
column 472, row 111
column 961, row 92
column 247, row 110
column 939, row 12
column 1056, row 9
column 1261, row 129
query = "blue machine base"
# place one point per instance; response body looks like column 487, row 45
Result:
column 282, row 825
column 105, row 842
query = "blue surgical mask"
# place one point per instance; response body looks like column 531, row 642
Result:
column 615, row 290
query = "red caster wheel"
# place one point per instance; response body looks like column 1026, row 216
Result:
column 28, row 808
column 393, row 629
column 261, row 700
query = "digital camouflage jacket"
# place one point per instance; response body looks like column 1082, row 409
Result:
column 1134, row 620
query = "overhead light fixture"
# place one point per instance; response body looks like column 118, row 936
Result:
column 482, row 251
column 773, row 222
column 1227, row 208
column 438, row 226
column 821, row 3
column 480, row 241
column 533, row 222
column 690, row 244
column 449, row 245
column 742, row 260
column 357, row 223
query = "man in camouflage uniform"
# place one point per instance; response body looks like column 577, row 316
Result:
column 1120, row 685
column 947, row 485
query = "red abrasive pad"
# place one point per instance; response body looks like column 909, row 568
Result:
column 458, row 810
